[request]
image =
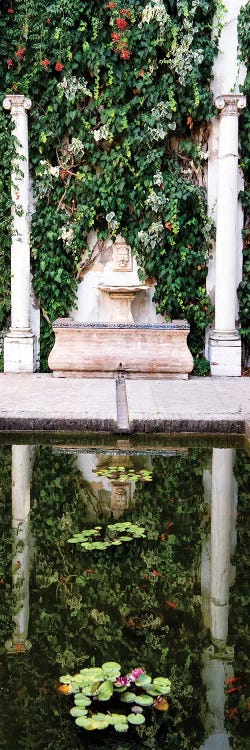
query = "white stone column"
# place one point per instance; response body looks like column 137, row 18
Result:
column 224, row 344
column 21, row 473
column 19, row 349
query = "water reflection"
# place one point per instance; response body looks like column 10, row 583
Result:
column 21, row 475
column 216, row 576
column 102, row 495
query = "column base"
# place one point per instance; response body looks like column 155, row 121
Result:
column 15, row 646
column 224, row 354
column 19, row 352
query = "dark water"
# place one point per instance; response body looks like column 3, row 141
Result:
column 175, row 603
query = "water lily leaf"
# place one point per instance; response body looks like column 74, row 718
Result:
column 78, row 711
column 93, row 673
column 121, row 727
column 105, row 690
column 66, row 679
column 111, row 666
column 85, row 722
column 82, row 700
column 162, row 685
column 90, row 724
column 152, row 691
column 116, row 542
column 100, row 717
column 128, row 697
column 120, row 688
column 117, row 719
column 144, row 680
column 144, row 700
column 137, row 710
column 126, row 538
column 136, row 719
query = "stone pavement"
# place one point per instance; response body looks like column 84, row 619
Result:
column 41, row 402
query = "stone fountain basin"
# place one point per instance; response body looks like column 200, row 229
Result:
column 120, row 289
column 106, row 349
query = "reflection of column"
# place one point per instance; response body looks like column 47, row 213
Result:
column 19, row 343
column 216, row 574
column 21, row 470
column 221, row 520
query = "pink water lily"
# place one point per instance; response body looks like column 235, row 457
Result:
column 136, row 673
column 123, row 681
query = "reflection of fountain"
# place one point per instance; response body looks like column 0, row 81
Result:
column 117, row 340
column 21, row 470
column 106, row 495
column 216, row 573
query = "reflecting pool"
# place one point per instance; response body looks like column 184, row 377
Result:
column 158, row 582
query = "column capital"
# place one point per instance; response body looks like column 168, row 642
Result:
column 230, row 104
column 17, row 103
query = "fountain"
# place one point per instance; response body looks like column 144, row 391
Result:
column 116, row 338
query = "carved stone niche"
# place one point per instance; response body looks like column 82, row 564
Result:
column 122, row 255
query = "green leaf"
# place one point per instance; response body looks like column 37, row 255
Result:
column 144, row 700
column 78, row 711
column 128, row 697
column 105, row 690
column 136, row 719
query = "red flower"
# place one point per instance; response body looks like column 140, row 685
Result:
column 48, row 20
column 125, row 54
column 111, row 5
column 59, row 66
column 20, row 52
column 121, row 23
column 9, row 62
column 10, row 10
column 126, row 13
column 116, row 36
column 45, row 63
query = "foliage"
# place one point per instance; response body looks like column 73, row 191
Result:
column 103, row 684
column 118, row 132
column 116, row 533
column 244, row 287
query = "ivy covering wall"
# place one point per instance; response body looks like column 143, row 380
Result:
column 118, row 130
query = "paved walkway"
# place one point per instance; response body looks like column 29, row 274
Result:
column 41, row 402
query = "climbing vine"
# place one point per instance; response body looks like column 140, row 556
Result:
column 118, row 132
column 244, row 288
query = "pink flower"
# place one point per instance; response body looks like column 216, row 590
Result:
column 122, row 681
column 10, row 10
column 136, row 673
column 9, row 62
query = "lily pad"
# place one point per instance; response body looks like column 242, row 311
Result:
column 136, row 719
column 105, row 690
column 144, row 680
column 144, row 700
column 162, row 685
column 117, row 719
column 121, row 727
column 66, row 679
column 82, row 700
column 78, row 711
column 128, row 697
